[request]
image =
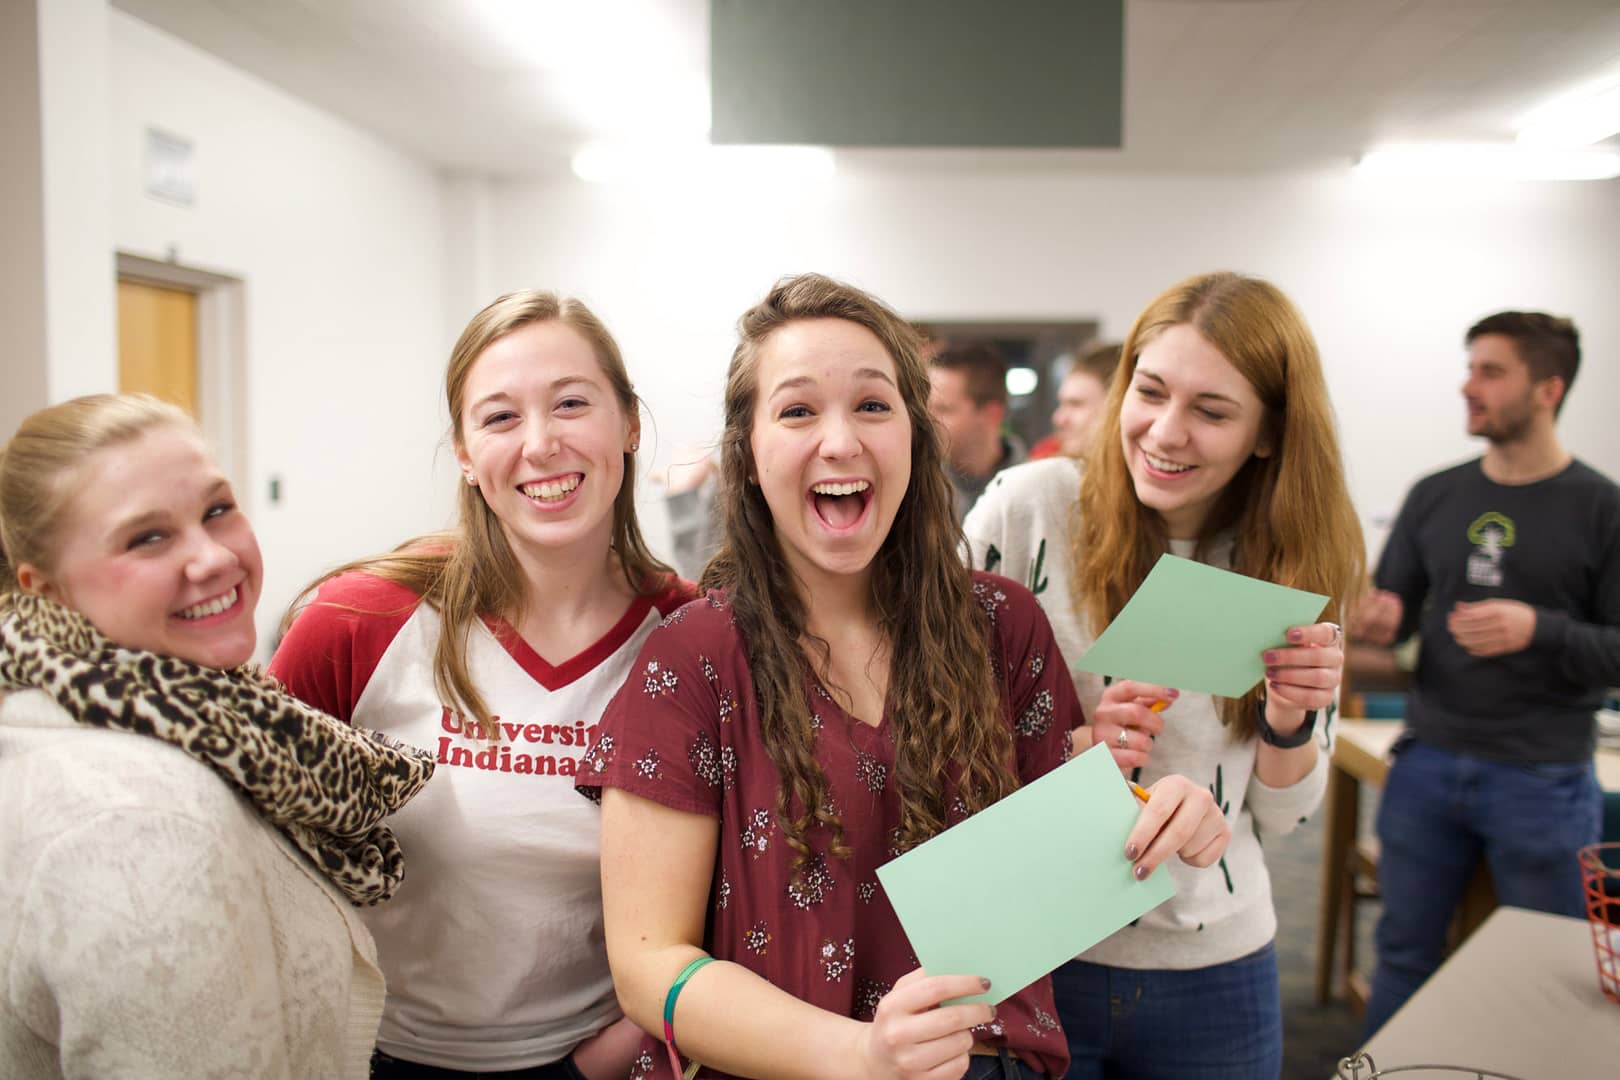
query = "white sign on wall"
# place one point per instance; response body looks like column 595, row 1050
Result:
column 171, row 172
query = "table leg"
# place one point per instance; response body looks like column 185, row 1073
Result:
column 1339, row 837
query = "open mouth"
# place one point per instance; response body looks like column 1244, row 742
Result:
column 840, row 504
column 215, row 606
column 1160, row 467
column 555, row 490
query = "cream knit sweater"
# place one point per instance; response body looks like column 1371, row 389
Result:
column 152, row 924
column 1024, row 527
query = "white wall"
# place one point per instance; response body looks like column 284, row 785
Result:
column 24, row 380
column 1389, row 279
column 80, row 296
column 56, row 281
column 362, row 264
column 340, row 240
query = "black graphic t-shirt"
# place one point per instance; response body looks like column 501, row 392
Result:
column 1553, row 544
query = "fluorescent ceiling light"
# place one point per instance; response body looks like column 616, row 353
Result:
column 567, row 35
column 1488, row 162
column 1578, row 120
column 613, row 67
column 660, row 164
column 643, row 102
column 1021, row 381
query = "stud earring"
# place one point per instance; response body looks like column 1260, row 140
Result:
column 634, row 446
column 471, row 479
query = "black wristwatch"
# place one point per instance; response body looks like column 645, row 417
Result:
column 1282, row 742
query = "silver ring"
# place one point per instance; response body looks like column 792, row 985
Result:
column 1338, row 634
column 1124, row 740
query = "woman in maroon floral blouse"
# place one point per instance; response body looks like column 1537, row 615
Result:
column 845, row 691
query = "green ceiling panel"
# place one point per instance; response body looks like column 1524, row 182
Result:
column 917, row 72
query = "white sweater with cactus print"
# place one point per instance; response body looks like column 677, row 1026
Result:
column 1024, row 526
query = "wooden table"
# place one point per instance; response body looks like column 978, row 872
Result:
column 1520, row 997
column 1361, row 756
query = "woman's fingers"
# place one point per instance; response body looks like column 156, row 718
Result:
column 913, row 1035
column 1180, row 816
column 1304, row 678
column 916, row 990
column 1211, row 852
column 1128, row 719
column 1306, row 673
column 1322, row 634
column 1130, row 748
column 1208, row 840
column 1132, row 690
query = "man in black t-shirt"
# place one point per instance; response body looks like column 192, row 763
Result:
column 1509, row 568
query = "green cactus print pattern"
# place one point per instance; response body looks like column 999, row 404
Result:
column 1037, row 581
column 1218, row 789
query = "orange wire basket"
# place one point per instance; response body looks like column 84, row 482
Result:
column 1600, row 877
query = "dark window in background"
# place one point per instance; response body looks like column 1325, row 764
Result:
column 1047, row 348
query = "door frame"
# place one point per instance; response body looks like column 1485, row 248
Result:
column 221, row 354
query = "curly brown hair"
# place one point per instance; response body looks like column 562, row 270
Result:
column 946, row 715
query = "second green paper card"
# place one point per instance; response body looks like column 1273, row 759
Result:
column 1197, row 628
column 1026, row 884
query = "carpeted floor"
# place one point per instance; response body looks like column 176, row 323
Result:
column 1314, row 1038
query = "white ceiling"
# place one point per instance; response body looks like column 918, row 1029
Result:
column 1209, row 84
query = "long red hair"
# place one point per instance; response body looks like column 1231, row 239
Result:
column 1289, row 513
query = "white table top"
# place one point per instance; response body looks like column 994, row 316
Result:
column 1520, row 997
column 1377, row 736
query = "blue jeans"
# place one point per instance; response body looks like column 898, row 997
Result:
column 1217, row 1023
column 1443, row 812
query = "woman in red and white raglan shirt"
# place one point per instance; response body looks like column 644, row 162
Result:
column 497, row 646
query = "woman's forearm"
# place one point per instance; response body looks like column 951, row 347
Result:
column 732, row 1020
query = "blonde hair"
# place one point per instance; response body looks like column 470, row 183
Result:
column 39, row 463
column 1290, row 511
column 471, row 571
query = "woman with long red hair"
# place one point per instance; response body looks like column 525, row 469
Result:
column 1218, row 445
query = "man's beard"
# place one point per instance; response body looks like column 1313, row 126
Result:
column 1510, row 424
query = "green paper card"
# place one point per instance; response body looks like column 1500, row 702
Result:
column 1197, row 628
column 1027, row 884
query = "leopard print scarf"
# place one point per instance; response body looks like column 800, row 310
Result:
column 326, row 785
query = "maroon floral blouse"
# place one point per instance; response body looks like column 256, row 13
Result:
column 684, row 732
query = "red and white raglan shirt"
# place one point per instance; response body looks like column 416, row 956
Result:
column 685, row 732
column 493, row 946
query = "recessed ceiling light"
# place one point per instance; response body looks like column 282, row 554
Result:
column 1021, row 381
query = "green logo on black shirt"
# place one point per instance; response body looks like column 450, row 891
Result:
column 1491, row 534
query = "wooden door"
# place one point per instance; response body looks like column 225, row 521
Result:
column 157, row 342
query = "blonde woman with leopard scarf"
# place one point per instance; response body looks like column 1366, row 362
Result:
column 184, row 845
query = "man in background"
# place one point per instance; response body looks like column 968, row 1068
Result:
column 1509, row 567
column 969, row 403
column 1082, row 397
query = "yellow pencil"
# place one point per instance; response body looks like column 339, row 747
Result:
column 1137, row 789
